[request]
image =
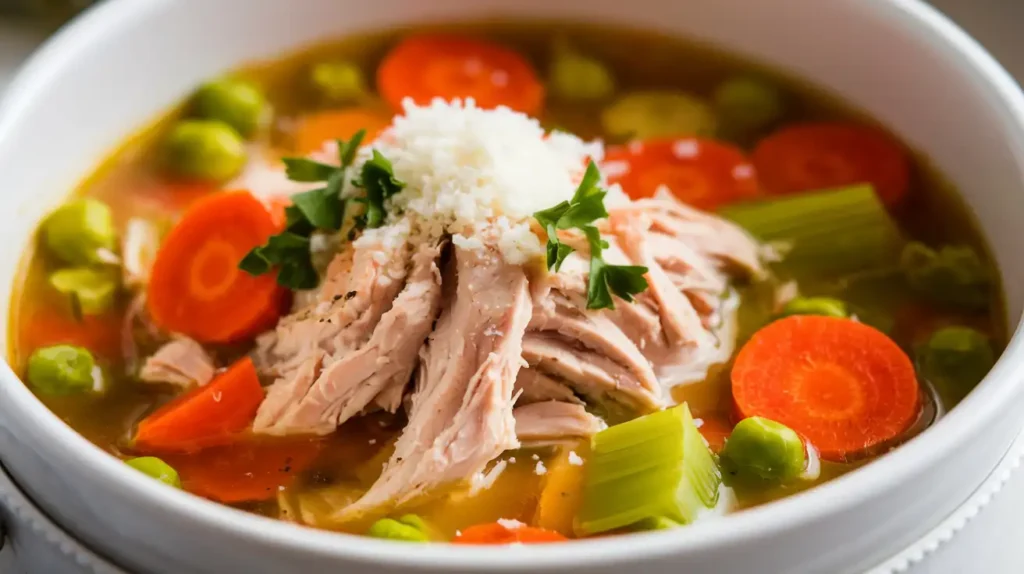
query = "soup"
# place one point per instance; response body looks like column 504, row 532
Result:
column 693, row 287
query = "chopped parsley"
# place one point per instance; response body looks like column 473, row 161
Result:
column 586, row 207
column 321, row 209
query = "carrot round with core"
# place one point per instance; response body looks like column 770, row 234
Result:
column 702, row 173
column 828, row 155
column 250, row 470
column 206, row 416
column 313, row 130
column 196, row 287
column 498, row 533
column 843, row 385
column 448, row 67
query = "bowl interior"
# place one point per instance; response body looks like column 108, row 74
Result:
column 125, row 62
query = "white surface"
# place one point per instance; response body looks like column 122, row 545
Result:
column 985, row 170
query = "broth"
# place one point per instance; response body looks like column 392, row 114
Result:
column 130, row 183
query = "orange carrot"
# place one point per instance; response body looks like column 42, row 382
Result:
column 196, row 287
column 827, row 155
column 250, row 470
column 41, row 327
column 206, row 416
column 448, row 67
column 702, row 173
column 715, row 429
column 315, row 129
column 497, row 533
column 844, row 385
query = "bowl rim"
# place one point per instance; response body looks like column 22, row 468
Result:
column 832, row 498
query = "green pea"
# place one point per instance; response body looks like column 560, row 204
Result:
column 237, row 103
column 746, row 105
column 956, row 358
column 652, row 114
column 825, row 306
column 953, row 275
column 204, row 149
column 762, row 448
column 156, row 468
column 409, row 528
column 61, row 370
column 81, row 232
column 339, row 82
column 93, row 290
column 576, row 77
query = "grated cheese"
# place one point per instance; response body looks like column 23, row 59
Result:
column 575, row 459
column 479, row 175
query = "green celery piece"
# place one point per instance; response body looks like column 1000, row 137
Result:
column 656, row 467
column 829, row 232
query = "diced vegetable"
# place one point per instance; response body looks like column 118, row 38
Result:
column 715, row 429
column 656, row 466
column 560, row 494
column 81, row 232
column 702, row 173
column 432, row 66
column 498, row 533
column 827, row 232
column 655, row 523
column 843, row 385
column 196, row 277
column 93, row 290
column 746, row 105
column 156, row 468
column 658, row 114
column 954, row 275
column 246, row 471
column 235, row 102
column 314, row 130
column 409, row 528
column 100, row 334
column 806, row 157
column 764, row 449
column 955, row 359
column 338, row 83
column 61, row 370
column 207, row 150
column 206, row 416
column 825, row 306
column 576, row 77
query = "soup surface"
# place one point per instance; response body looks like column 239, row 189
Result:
column 833, row 301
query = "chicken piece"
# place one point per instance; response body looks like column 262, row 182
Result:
column 553, row 420
column 181, row 362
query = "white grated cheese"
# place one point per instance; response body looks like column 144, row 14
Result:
column 575, row 459
column 540, row 470
column 510, row 523
column 468, row 170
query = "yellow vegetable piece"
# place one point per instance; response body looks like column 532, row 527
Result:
column 654, row 114
column 562, row 491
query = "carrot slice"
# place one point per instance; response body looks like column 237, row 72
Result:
column 206, row 416
column 702, row 173
column 196, row 287
column 42, row 327
column 315, row 129
column 843, row 385
column 250, row 470
column 715, row 429
column 498, row 533
column 448, row 67
column 827, row 155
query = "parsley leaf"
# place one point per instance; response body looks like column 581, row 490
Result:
column 317, row 209
column 586, row 207
column 378, row 179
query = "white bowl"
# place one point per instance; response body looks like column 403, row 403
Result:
column 126, row 61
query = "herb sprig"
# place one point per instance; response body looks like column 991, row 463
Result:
column 586, row 207
column 321, row 209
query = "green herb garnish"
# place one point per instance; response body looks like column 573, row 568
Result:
column 317, row 209
column 586, row 207
column 378, row 179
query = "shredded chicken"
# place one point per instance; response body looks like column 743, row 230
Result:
column 182, row 362
column 499, row 355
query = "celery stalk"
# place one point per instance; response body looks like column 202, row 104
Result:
column 656, row 467
column 827, row 232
